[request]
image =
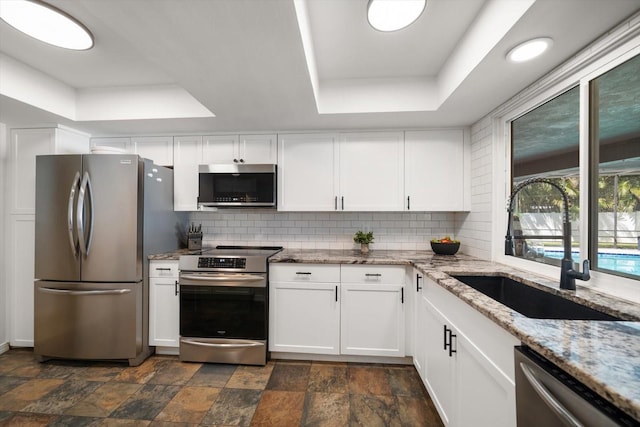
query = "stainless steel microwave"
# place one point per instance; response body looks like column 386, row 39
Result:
column 237, row 185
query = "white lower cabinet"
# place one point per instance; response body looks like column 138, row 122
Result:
column 304, row 309
column 467, row 363
column 164, row 304
column 333, row 309
column 373, row 311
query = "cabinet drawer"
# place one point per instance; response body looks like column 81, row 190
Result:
column 163, row 269
column 372, row 274
column 304, row 273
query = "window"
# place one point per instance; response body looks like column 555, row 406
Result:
column 615, row 177
column 545, row 143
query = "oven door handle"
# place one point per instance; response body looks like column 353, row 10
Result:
column 223, row 345
column 226, row 278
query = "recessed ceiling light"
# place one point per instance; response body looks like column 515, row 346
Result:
column 393, row 15
column 529, row 49
column 46, row 23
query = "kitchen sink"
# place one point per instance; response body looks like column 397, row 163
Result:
column 531, row 302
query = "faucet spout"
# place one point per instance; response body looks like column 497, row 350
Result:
column 568, row 275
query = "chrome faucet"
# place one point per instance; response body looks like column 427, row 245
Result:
column 568, row 275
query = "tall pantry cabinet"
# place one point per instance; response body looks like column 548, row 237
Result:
column 23, row 147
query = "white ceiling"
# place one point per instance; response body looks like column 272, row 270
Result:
column 168, row 66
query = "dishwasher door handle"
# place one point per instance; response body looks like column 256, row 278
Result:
column 567, row 417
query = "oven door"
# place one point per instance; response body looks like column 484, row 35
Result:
column 223, row 318
column 223, row 305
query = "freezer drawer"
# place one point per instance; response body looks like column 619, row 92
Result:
column 88, row 320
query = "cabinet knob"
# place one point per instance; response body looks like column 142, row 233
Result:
column 241, row 160
column 235, row 160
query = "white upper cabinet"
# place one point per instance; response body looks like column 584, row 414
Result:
column 220, row 149
column 249, row 149
column 371, row 171
column 187, row 154
column 258, row 149
column 436, row 170
column 341, row 172
column 157, row 148
column 308, row 172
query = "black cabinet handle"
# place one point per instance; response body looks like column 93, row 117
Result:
column 402, row 295
column 342, row 201
column 418, row 278
column 408, row 203
column 373, row 275
column 336, row 293
column 241, row 160
column 176, row 288
column 451, row 337
column 335, row 204
column 163, row 269
column 449, row 332
column 305, row 273
column 444, row 337
column 235, row 160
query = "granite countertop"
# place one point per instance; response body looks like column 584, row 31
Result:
column 604, row 355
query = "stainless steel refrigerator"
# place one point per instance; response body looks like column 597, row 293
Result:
column 98, row 217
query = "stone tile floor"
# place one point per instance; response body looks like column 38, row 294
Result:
column 166, row 392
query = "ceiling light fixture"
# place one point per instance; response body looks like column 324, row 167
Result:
column 529, row 49
column 393, row 15
column 46, row 23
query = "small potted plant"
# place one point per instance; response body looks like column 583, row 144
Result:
column 364, row 239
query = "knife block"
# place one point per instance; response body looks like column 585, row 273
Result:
column 194, row 241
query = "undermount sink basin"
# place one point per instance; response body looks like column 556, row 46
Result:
column 531, row 302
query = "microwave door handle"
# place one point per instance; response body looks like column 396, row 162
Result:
column 563, row 413
column 73, row 241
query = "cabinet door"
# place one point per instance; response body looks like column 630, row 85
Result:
column 26, row 144
column 20, row 285
column 308, row 172
column 372, row 319
column 187, row 154
column 372, row 171
column 258, row 149
column 164, row 313
column 435, row 170
column 484, row 395
column 439, row 366
column 304, row 317
column 220, row 149
column 157, row 148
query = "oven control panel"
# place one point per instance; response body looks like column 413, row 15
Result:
column 221, row 262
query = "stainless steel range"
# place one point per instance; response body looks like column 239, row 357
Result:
column 223, row 305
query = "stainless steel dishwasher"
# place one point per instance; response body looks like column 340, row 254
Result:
column 547, row 396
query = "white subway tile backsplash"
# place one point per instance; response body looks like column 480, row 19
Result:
column 324, row 230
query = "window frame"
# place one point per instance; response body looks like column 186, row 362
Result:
column 527, row 101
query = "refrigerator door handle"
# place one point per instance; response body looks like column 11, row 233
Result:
column 81, row 293
column 85, row 187
column 72, row 196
